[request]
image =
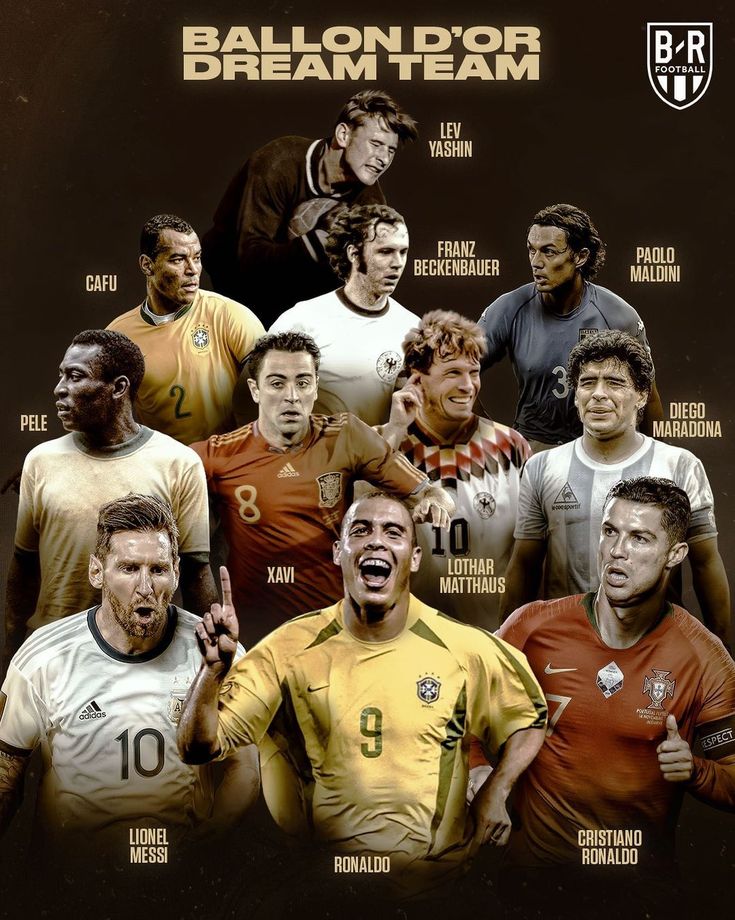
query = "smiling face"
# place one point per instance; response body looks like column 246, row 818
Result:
column 553, row 263
column 84, row 399
column 173, row 273
column 378, row 266
column 138, row 577
column 635, row 554
column 368, row 148
column 285, row 392
column 377, row 553
column 607, row 400
column 449, row 388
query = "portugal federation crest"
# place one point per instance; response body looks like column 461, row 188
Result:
column 679, row 61
column 658, row 688
column 428, row 689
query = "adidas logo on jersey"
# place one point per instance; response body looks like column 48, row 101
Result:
column 287, row 471
column 92, row 711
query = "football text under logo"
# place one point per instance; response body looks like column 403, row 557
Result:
column 680, row 61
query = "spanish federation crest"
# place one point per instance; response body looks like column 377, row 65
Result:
column 200, row 337
column 330, row 489
column 680, row 61
column 658, row 688
column 428, row 689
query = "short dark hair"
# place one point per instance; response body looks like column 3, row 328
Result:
column 147, row 513
column 620, row 346
column 379, row 493
column 662, row 493
column 445, row 335
column 355, row 226
column 581, row 233
column 293, row 342
column 374, row 102
column 152, row 228
column 118, row 356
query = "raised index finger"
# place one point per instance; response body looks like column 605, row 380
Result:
column 226, row 586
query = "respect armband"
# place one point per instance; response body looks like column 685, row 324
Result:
column 717, row 738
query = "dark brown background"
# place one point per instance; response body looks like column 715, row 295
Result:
column 101, row 132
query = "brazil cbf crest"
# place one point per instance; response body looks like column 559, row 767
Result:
column 428, row 688
column 680, row 61
column 200, row 337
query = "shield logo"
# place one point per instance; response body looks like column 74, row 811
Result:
column 658, row 688
column 679, row 61
column 330, row 489
column 428, row 689
column 200, row 337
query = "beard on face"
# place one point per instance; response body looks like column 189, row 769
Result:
column 125, row 615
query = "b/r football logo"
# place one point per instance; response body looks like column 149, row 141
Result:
column 680, row 61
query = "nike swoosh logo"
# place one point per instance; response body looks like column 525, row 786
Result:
column 314, row 689
column 549, row 670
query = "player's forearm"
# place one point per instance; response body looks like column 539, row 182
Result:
column 12, row 771
column 713, row 592
column 199, row 723
column 24, row 585
column 198, row 590
column 239, row 788
column 713, row 783
column 393, row 433
column 518, row 752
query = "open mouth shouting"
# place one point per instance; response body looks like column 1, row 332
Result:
column 375, row 572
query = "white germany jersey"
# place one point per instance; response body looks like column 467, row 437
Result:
column 107, row 726
column 463, row 571
column 361, row 352
column 562, row 498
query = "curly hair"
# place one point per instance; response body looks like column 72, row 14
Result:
column 442, row 334
column 135, row 512
column 374, row 102
column 118, row 356
column 151, row 233
column 355, row 226
column 664, row 494
column 581, row 234
column 293, row 342
column 621, row 347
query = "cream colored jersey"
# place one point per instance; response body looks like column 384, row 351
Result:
column 361, row 352
column 63, row 485
column 191, row 364
column 379, row 732
column 107, row 724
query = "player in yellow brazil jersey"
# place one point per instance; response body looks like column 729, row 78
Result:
column 282, row 485
column 194, row 341
column 373, row 700
column 632, row 683
column 105, row 455
column 101, row 693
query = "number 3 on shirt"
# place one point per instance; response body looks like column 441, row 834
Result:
column 562, row 389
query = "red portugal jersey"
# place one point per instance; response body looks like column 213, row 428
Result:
column 598, row 768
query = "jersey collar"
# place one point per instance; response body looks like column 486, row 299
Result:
column 111, row 652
